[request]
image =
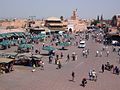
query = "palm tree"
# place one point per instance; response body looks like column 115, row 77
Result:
column 101, row 18
column 98, row 18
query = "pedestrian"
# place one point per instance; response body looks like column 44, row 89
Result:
column 103, row 48
column 36, row 51
column 73, row 56
column 39, row 51
column 83, row 53
column 73, row 76
column 94, row 75
column 42, row 66
column 50, row 59
column 97, row 52
column 57, row 56
column 61, row 55
column 108, row 66
column 107, row 53
column 84, row 82
column 43, row 45
column 116, row 70
column 59, row 64
column 90, row 75
column 68, row 58
column 56, row 61
column 33, row 70
column 103, row 68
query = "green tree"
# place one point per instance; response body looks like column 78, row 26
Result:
column 62, row 18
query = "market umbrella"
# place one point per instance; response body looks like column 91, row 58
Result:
column 5, row 35
column 29, row 46
column 48, row 48
column 63, row 44
column 5, row 60
column 20, row 33
column 22, row 41
column 68, row 36
column 36, row 57
column 5, row 43
column 41, row 36
column 9, row 55
column 14, row 42
column 38, row 37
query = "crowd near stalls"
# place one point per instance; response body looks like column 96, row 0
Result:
column 23, row 41
column 25, row 44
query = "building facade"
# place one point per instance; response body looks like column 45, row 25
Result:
column 75, row 24
column 54, row 23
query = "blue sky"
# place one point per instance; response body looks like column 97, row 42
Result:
column 45, row 8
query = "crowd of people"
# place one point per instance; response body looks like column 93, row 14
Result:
column 56, row 58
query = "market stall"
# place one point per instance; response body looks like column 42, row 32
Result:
column 6, row 65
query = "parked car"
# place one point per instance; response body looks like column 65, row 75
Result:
column 115, row 43
column 82, row 44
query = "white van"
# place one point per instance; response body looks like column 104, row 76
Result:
column 82, row 44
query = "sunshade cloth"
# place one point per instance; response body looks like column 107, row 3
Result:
column 48, row 48
column 5, row 60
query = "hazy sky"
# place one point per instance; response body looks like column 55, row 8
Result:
column 46, row 8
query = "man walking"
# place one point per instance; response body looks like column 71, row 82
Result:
column 68, row 58
column 73, row 76
column 103, row 68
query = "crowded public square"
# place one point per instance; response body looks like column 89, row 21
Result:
column 59, row 45
column 88, row 68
